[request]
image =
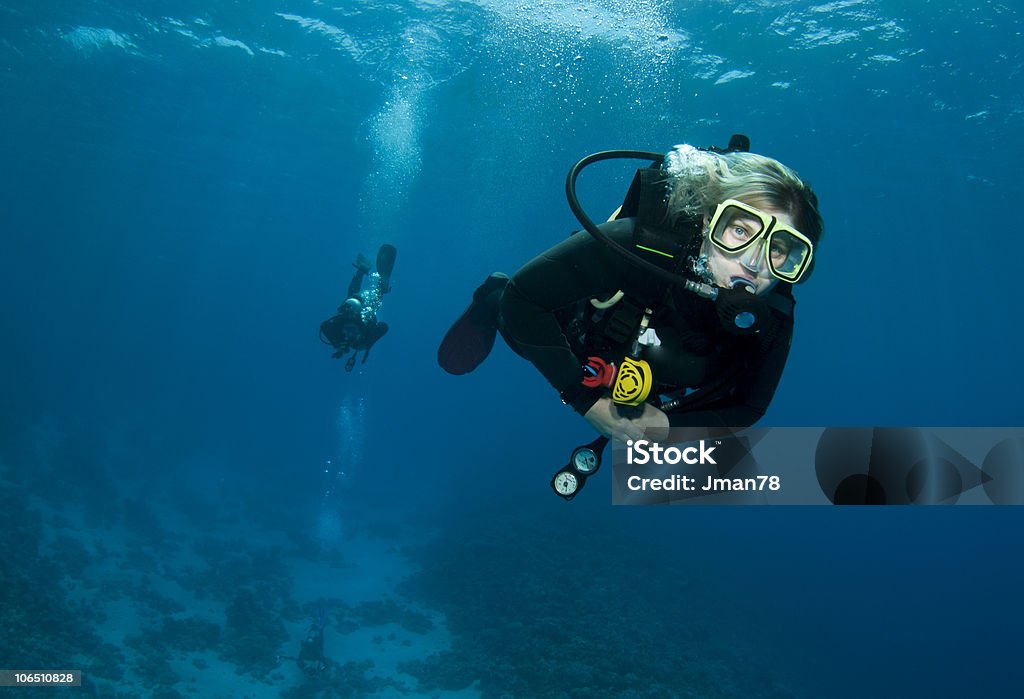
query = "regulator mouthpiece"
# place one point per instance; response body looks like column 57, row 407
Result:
column 740, row 310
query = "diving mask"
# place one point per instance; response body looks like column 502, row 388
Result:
column 737, row 227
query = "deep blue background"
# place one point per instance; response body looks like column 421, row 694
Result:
column 178, row 215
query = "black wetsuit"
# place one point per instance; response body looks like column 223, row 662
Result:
column 371, row 330
column 733, row 378
column 349, row 330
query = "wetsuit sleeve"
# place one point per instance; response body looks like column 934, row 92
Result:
column 357, row 282
column 373, row 333
column 575, row 269
column 749, row 402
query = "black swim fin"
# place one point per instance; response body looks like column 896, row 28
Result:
column 468, row 342
column 386, row 264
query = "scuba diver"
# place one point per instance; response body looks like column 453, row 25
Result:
column 676, row 312
column 311, row 658
column 355, row 327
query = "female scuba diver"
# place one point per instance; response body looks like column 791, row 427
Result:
column 676, row 312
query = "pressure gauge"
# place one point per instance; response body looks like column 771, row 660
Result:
column 565, row 484
column 585, row 460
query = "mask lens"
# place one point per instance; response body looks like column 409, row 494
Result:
column 788, row 255
column 736, row 229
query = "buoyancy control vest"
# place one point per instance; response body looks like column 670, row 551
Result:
column 669, row 244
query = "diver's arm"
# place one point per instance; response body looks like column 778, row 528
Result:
column 606, row 417
column 750, row 401
column 577, row 268
column 377, row 332
column 357, row 282
column 733, row 416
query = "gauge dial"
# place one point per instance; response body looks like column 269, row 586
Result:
column 565, row 483
column 585, row 460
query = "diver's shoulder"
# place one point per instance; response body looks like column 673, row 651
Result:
column 618, row 227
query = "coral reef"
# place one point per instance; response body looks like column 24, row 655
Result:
column 253, row 632
column 42, row 625
column 386, row 611
column 605, row 618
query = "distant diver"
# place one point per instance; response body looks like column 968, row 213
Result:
column 355, row 327
column 678, row 311
column 311, row 659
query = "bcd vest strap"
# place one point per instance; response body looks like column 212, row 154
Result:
column 621, row 322
column 656, row 237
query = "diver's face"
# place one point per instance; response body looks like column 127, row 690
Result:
column 749, row 268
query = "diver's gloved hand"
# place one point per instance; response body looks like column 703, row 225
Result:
column 610, row 420
column 362, row 263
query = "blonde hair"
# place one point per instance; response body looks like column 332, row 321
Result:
column 699, row 180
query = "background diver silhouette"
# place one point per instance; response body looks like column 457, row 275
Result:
column 311, row 659
column 355, row 326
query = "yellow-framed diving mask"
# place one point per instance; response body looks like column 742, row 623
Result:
column 736, row 227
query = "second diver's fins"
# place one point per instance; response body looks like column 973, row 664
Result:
column 469, row 341
column 386, row 264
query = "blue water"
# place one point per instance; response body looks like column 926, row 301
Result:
column 183, row 187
